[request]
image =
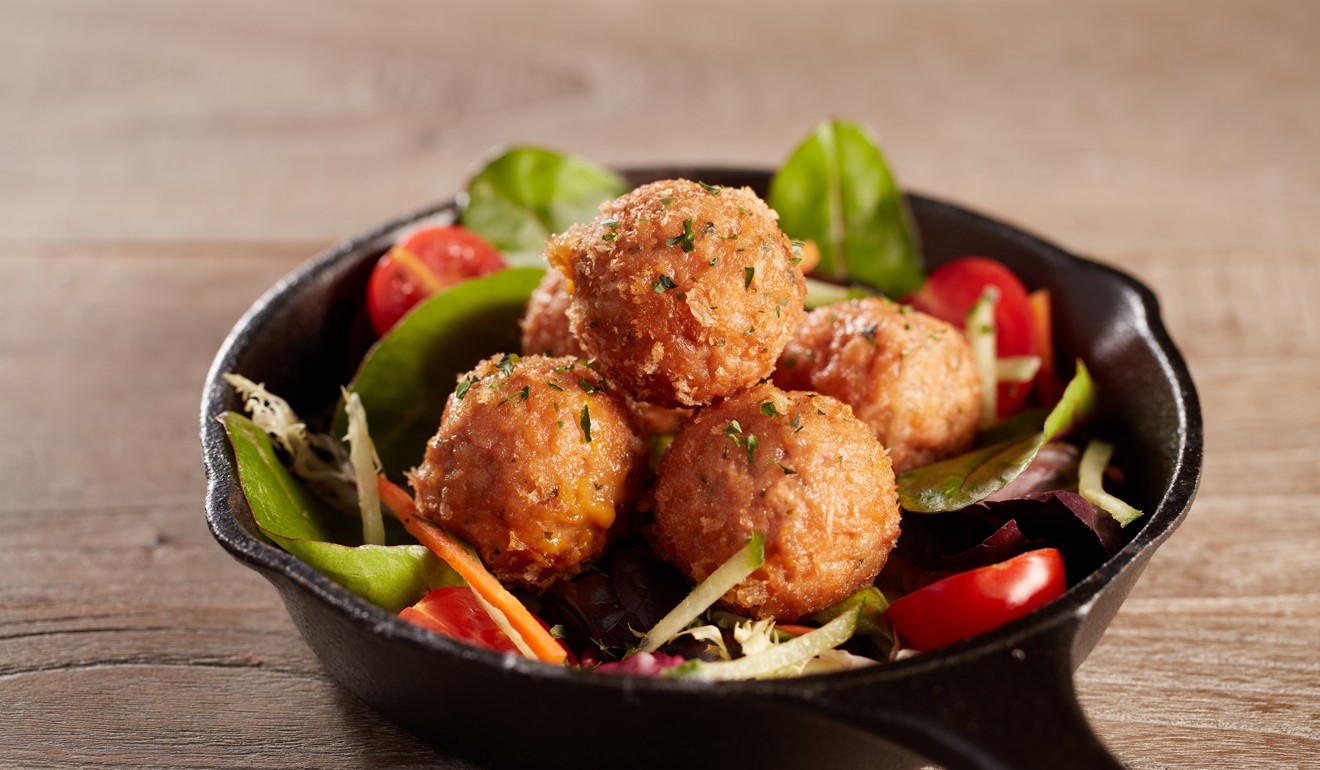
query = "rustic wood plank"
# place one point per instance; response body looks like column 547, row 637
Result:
column 198, row 716
column 1102, row 124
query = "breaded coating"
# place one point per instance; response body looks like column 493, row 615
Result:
column 908, row 375
column 533, row 464
column 682, row 293
column 797, row 467
column 545, row 329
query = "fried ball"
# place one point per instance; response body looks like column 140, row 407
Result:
column 532, row 465
column 545, row 330
column 798, row 468
column 682, row 293
column 545, row 327
column 908, row 375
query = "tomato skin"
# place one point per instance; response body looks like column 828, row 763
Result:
column 954, row 287
column 971, row 603
column 456, row 613
column 422, row 263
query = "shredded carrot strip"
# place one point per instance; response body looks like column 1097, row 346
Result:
column 792, row 629
column 429, row 534
column 1048, row 386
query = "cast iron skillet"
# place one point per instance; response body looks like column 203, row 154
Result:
column 1003, row 700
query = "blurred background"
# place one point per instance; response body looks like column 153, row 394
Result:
column 311, row 120
column 163, row 163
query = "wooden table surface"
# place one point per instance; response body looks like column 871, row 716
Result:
column 163, row 163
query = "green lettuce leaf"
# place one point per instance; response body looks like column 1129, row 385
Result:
column 392, row 577
column 527, row 194
column 405, row 379
column 960, row 481
column 837, row 190
column 871, row 622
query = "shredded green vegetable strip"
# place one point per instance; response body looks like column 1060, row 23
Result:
column 1090, row 483
column 982, row 336
column 726, row 576
column 362, row 456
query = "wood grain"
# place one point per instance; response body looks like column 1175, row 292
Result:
column 163, row 163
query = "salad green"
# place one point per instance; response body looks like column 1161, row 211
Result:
column 527, row 194
column 836, row 190
column 405, row 377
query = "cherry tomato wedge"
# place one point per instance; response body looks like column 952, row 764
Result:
column 456, row 613
column 954, row 287
column 971, row 603
column 422, row 263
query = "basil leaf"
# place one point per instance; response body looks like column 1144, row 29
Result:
column 837, row 190
column 958, row 482
column 527, row 194
column 407, row 376
column 392, row 577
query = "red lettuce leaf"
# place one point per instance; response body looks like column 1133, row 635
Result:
column 603, row 610
column 990, row 532
column 652, row 664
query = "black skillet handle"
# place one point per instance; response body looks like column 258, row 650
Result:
column 1012, row 707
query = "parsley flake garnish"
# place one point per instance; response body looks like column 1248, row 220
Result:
column 869, row 333
column 711, row 188
column 749, row 273
column 663, row 283
column 787, row 470
column 585, row 424
column 610, row 237
column 463, row 387
column 751, row 442
column 770, row 410
column 589, row 387
column 796, row 248
column 748, row 442
column 506, row 363
column 686, row 239
column 668, row 200
column 525, row 393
